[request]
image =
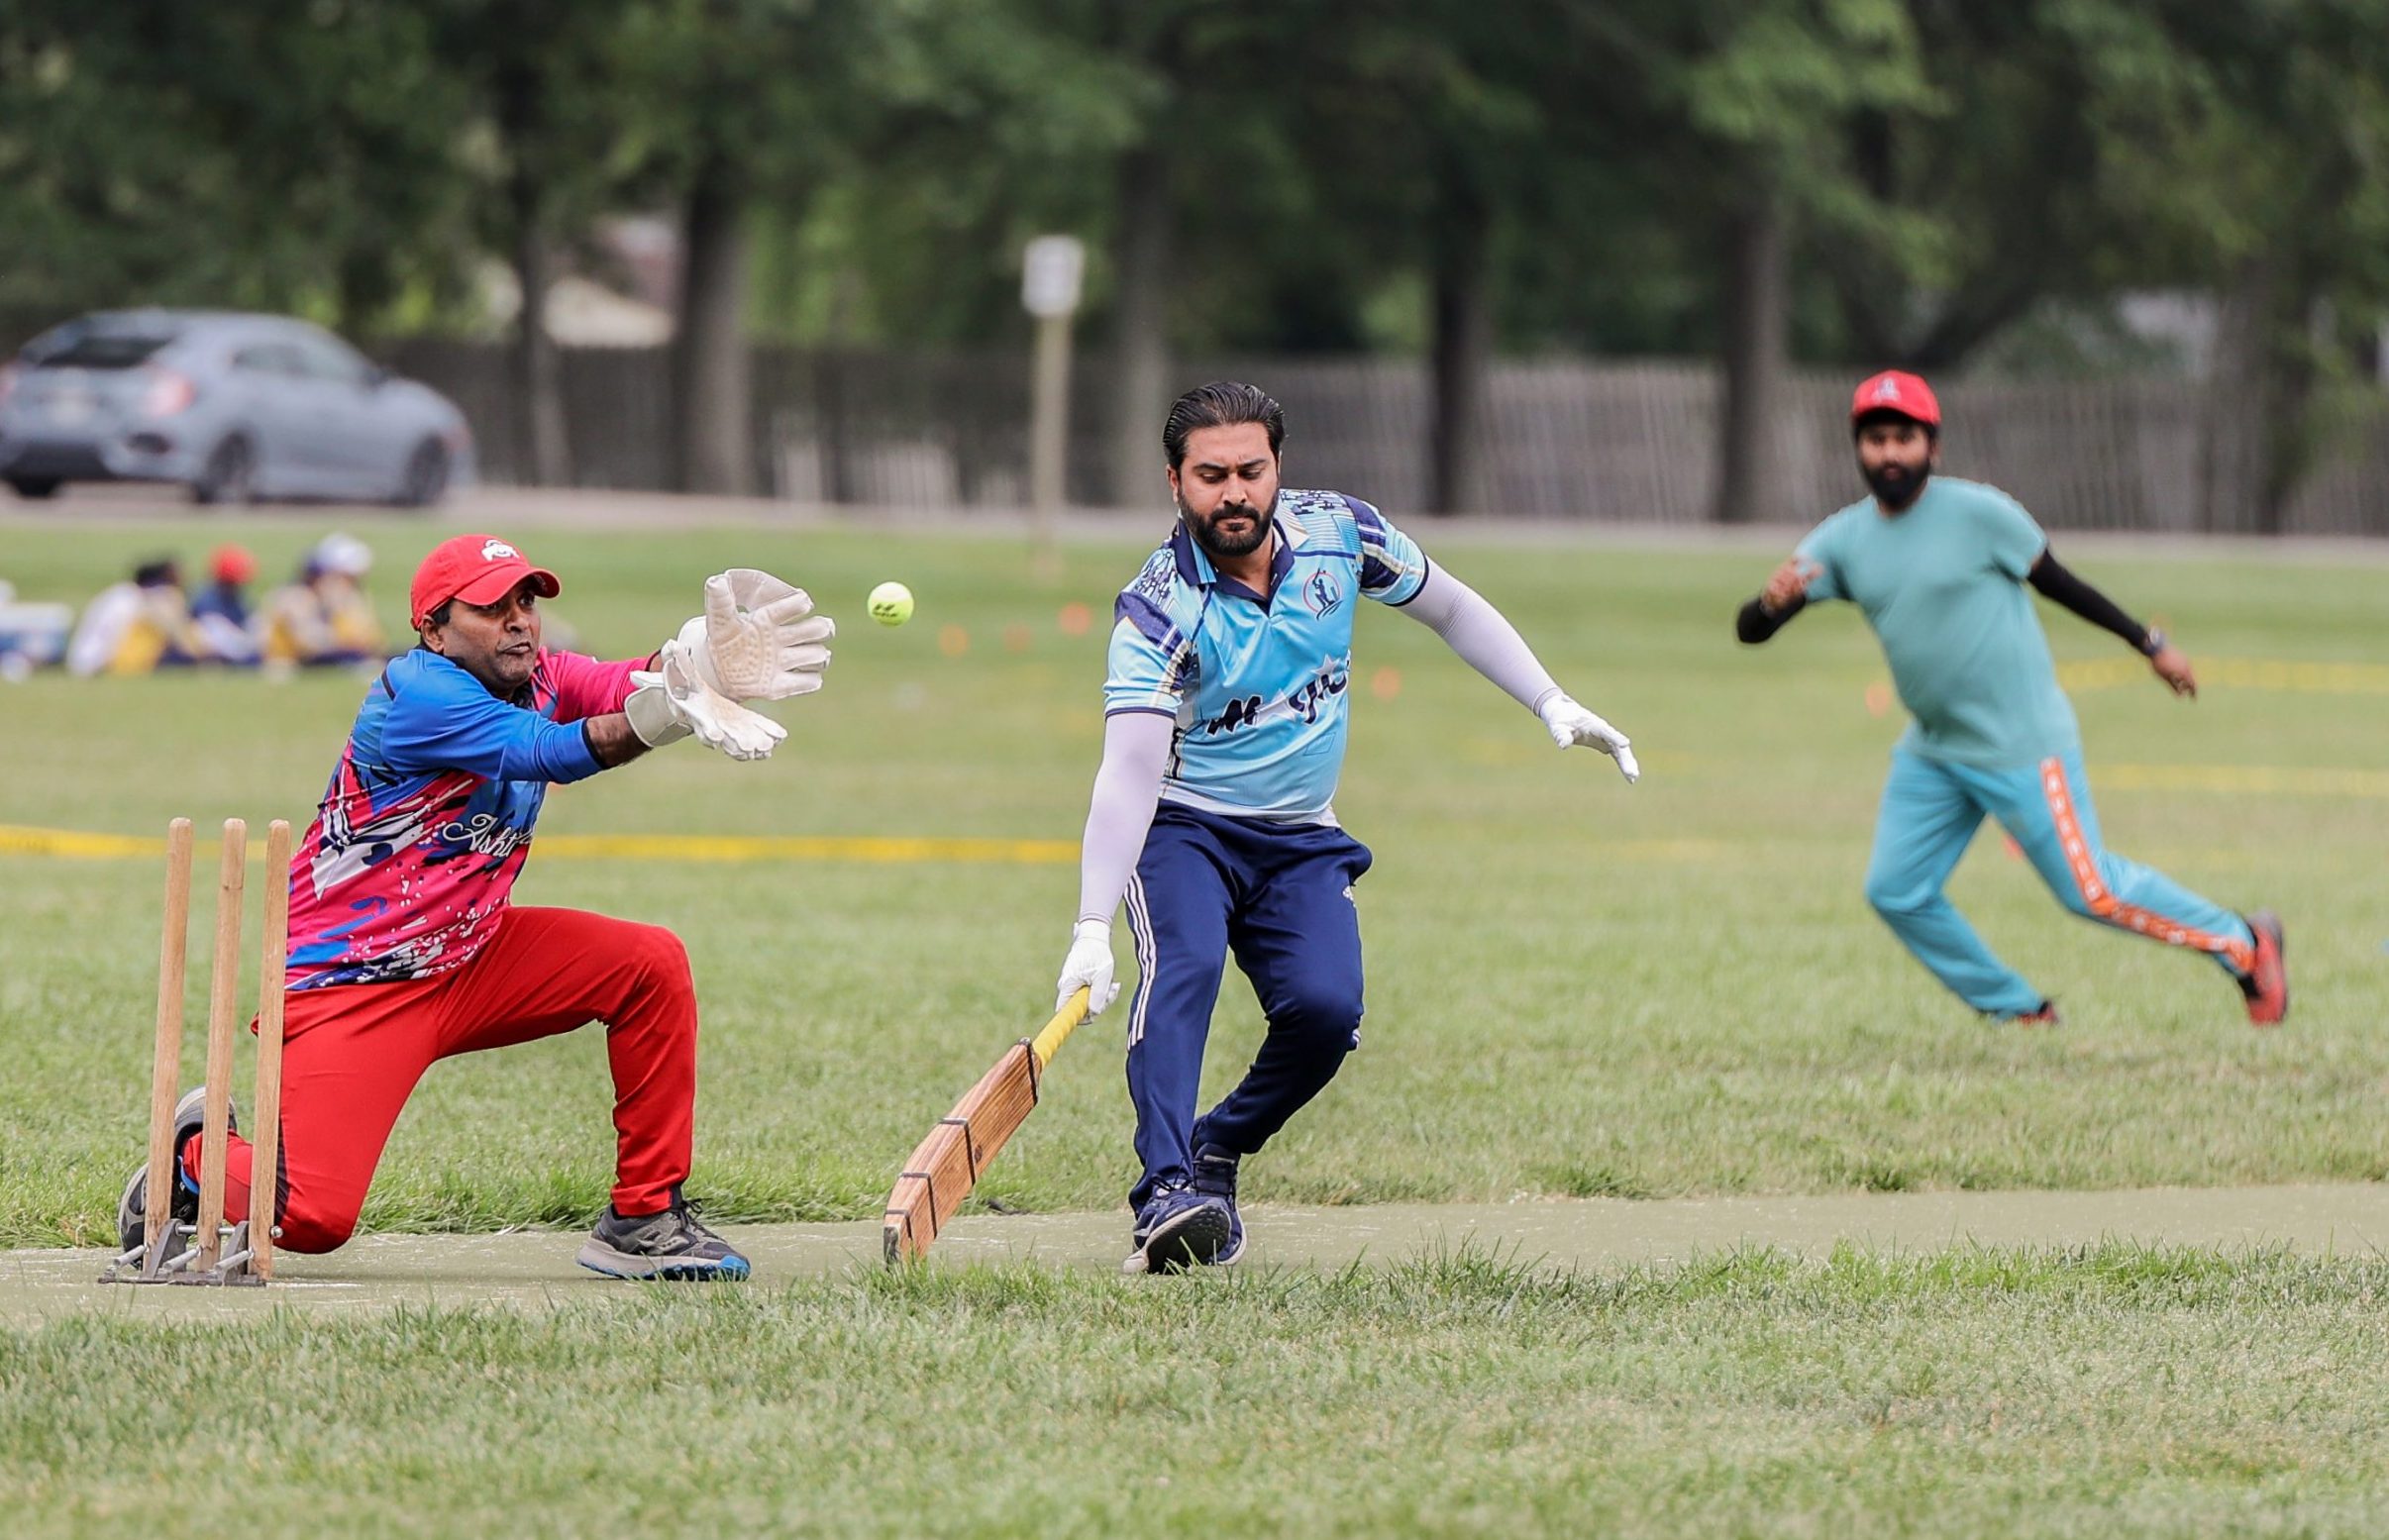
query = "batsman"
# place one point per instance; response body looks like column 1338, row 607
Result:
column 1939, row 567
column 405, row 948
column 1212, row 813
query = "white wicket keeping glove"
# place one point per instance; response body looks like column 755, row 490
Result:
column 1089, row 963
column 673, row 696
column 759, row 638
column 1572, row 725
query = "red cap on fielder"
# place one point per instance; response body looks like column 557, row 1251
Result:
column 478, row 568
column 1895, row 390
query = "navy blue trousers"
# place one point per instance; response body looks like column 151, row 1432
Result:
column 1280, row 899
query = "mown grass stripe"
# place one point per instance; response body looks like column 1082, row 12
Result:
column 79, row 845
column 2285, row 676
column 2242, row 780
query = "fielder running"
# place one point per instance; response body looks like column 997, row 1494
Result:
column 404, row 947
column 1223, row 737
column 1938, row 567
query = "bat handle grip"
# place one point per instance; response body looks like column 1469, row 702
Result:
column 1050, row 1037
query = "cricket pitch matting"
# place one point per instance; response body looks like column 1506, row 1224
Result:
column 536, row 1267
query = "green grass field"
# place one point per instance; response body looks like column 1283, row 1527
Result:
column 1576, row 988
column 2098, row 1394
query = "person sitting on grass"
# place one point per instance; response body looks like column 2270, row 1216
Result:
column 221, row 610
column 325, row 620
column 138, row 626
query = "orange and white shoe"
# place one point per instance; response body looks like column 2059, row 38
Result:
column 2267, row 983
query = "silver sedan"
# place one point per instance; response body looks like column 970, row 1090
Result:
column 234, row 407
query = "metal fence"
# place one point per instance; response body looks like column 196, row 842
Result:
column 1604, row 441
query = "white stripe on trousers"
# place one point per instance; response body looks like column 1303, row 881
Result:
column 1140, row 934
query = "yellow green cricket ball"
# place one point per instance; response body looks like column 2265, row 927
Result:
column 891, row 604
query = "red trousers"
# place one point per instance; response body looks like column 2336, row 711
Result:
column 352, row 1054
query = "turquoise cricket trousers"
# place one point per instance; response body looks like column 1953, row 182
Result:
column 1931, row 811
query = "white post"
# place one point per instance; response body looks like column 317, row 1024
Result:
column 1049, row 290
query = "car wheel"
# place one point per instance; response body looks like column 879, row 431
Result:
column 34, row 487
column 426, row 479
column 229, row 474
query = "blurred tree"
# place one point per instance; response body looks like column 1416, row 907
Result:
column 934, row 130
column 1861, row 180
column 1766, row 94
column 277, row 155
column 2247, row 160
column 553, row 133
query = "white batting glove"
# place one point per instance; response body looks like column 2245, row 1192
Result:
column 1572, row 725
column 674, row 696
column 1089, row 965
column 759, row 638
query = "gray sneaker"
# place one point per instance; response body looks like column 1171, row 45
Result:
column 133, row 1207
column 674, row 1246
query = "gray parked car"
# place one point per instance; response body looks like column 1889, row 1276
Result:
column 234, row 407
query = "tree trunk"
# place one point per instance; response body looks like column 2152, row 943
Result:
column 538, row 368
column 2293, row 434
column 713, row 397
column 1750, row 487
column 1462, row 345
column 542, row 440
column 1140, row 344
column 2235, row 468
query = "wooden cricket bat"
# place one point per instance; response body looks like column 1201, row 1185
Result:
column 949, row 1163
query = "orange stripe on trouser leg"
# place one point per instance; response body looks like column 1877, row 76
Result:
column 2105, row 907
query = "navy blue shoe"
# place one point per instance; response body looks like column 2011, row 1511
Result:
column 1179, row 1228
column 1215, row 1177
column 674, row 1246
column 133, row 1206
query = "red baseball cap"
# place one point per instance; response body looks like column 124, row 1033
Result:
column 478, row 568
column 1895, row 390
column 232, row 564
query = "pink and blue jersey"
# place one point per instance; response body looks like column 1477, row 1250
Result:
column 413, row 853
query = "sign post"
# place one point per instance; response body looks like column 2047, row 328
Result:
column 1050, row 274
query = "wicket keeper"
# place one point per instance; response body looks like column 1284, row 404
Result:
column 404, row 946
column 1939, row 567
column 1223, row 737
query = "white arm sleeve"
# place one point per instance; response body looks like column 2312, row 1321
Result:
column 1487, row 641
column 1136, row 751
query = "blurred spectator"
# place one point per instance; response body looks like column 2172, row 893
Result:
column 325, row 618
column 31, row 635
column 135, row 626
column 221, row 610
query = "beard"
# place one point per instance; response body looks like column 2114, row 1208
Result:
column 1217, row 545
column 1897, row 485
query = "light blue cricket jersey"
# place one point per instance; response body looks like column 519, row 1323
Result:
column 1943, row 584
column 1258, row 684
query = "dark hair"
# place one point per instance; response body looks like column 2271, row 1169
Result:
column 438, row 616
column 1892, row 414
column 1223, row 404
column 157, row 572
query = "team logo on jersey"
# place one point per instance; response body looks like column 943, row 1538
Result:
column 1323, row 595
column 499, row 551
column 1314, row 697
column 1244, row 711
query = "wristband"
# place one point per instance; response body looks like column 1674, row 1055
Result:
column 2153, row 642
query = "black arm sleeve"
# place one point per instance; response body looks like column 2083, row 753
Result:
column 1754, row 625
column 2064, row 589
